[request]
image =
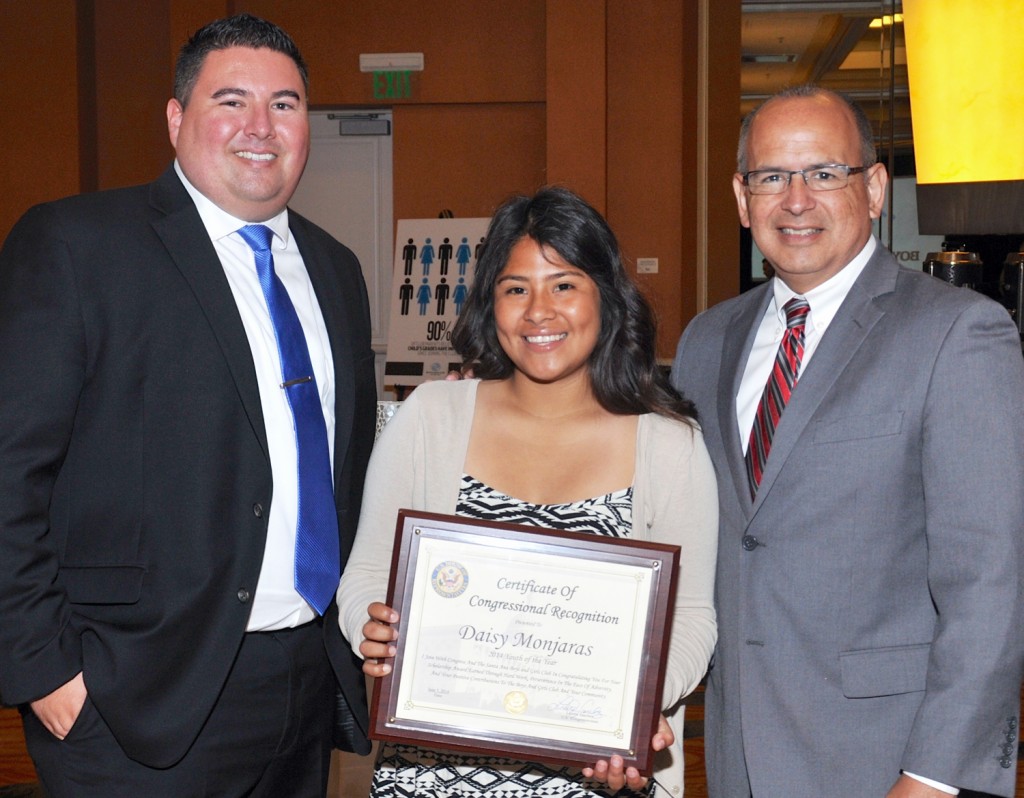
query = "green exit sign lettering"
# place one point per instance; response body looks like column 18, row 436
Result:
column 392, row 85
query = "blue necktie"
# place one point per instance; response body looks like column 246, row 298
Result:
column 317, row 558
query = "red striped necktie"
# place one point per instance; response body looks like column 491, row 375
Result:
column 777, row 390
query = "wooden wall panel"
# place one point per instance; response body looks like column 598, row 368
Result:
column 723, row 125
column 465, row 158
column 39, row 112
column 646, row 177
column 133, row 84
column 577, row 145
column 474, row 52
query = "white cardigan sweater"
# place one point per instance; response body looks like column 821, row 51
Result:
column 417, row 464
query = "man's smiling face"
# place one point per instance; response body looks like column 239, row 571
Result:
column 809, row 236
column 243, row 137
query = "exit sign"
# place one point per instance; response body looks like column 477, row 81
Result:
column 392, row 85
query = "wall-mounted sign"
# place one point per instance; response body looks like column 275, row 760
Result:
column 434, row 264
column 392, row 85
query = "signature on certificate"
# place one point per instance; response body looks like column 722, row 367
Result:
column 572, row 708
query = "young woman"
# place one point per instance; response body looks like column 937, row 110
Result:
column 568, row 423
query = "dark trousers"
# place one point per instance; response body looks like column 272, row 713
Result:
column 269, row 735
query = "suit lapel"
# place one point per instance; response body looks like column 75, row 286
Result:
column 182, row 232
column 735, row 351
column 332, row 306
column 845, row 335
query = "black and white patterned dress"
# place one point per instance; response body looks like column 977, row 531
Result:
column 408, row 771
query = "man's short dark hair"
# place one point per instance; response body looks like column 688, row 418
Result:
column 241, row 30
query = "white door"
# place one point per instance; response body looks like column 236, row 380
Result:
column 347, row 190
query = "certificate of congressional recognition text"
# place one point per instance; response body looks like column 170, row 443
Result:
column 522, row 641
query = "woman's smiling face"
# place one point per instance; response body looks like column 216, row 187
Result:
column 547, row 313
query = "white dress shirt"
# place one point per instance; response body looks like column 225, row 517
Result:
column 824, row 301
column 276, row 604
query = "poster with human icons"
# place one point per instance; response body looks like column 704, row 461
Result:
column 434, row 264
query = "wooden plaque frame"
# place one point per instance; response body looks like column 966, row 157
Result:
column 655, row 567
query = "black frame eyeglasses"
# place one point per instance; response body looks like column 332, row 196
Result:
column 824, row 177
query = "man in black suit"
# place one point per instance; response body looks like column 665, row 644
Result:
column 155, row 472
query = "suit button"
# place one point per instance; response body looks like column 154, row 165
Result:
column 1011, row 723
column 1005, row 762
column 750, row 543
column 243, row 595
column 257, row 510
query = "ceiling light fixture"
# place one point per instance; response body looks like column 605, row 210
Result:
column 769, row 58
column 887, row 20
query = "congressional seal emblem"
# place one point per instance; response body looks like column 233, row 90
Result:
column 515, row 702
column 449, row 579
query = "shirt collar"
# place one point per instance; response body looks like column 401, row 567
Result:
column 219, row 223
column 825, row 299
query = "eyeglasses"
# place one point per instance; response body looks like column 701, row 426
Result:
column 827, row 177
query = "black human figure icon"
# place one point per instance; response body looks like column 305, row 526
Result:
column 405, row 293
column 441, row 294
column 409, row 255
column 476, row 252
column 444, row 253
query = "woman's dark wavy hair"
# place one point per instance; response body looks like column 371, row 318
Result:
column 624, row 373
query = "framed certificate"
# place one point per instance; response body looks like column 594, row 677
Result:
column 526, row 642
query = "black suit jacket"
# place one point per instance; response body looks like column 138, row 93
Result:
column 135, row 483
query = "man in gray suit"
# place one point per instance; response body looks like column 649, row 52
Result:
column 869, row 584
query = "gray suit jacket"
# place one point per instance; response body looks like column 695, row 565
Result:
column 870, row 599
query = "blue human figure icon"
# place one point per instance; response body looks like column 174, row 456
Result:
column 459, row 294
column 409, row 255
column 427, row 257
column 444, row 254
column 441, row 295
column 405, row 292
column 423, row 297
column 462, row 256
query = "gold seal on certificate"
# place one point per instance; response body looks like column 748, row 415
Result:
column 526, row 641
column 515, row 702
column 449, row 579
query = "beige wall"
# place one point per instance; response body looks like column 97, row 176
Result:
column 598, row 95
